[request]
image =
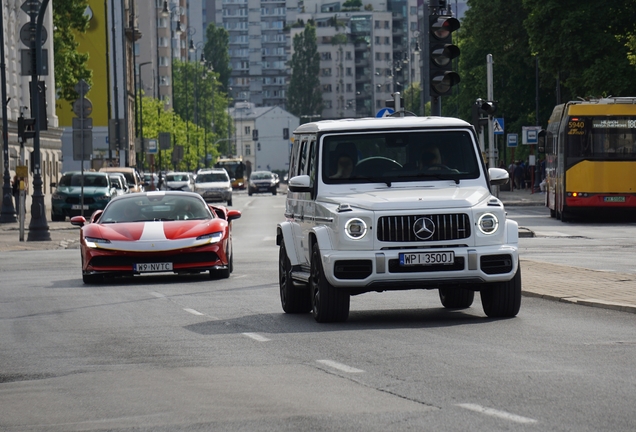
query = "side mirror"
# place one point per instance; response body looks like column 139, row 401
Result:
column 79, row 221
column 233, row 214
column 498, row 176
column 300, row 183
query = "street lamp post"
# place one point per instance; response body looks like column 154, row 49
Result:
column 8, row 210
column 195, row 48
column 141, row 115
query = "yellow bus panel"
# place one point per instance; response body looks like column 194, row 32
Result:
column 601, row 177
column 602, row 109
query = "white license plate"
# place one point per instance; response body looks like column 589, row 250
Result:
column 426, row 258
column 79, row 206
column 152, row 267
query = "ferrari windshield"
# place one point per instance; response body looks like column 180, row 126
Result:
column 155, row 207
column 399, row 157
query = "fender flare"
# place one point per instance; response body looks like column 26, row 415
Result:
column 284, row 234
column 320, row 234
column 512, row 232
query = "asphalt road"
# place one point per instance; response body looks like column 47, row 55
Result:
column 167, row 353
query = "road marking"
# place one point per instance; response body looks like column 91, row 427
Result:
column 496, row 413
column 340, row 366
column 256, row 337
column 158, row 295
column 269, row 239
column 192, row 311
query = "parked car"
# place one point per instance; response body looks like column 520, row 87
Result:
column 181, row 181
column 154, row 232
column 118, row 181
column 214, row 185
column 135, row 183
column 67, row 200
column 151, row 181
column 390, row 204
column 262, row 182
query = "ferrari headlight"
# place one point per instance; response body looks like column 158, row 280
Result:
column 488, row 223
column 214, row 237
column 355, row 228
column 94, row 242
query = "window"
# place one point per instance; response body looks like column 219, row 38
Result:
column 247, row 130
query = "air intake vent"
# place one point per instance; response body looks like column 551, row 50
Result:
column 496, row 264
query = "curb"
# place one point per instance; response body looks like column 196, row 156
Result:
column 602, row 304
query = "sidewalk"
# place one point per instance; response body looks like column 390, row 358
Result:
column 549, row 281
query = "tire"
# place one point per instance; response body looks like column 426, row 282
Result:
column 57, row 218
column 91, row 279
column 224, row 273
column 294, row 300
column 456, row 298
column 229, row 202
column 328, row 303
column 502, row 299
column 249, row 192
column 274, row 191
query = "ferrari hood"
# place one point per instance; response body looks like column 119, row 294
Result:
column 438, row 197
column 153, row 236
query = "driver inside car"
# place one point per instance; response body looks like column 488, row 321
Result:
column 430, row 159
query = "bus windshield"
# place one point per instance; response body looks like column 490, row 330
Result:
column 234, row 167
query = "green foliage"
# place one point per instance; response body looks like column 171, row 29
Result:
column 70, row 66
column 217, row 55
column 412, row 101
column 585, row 44
column 304, row 96
column 352, row 5
column 199, row 120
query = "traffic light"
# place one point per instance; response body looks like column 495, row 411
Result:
column 489, row 108
column 441, row 54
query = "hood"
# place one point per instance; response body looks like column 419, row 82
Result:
column 77, row 190
column 153, row 236
column 211, row 185
column 435, row 197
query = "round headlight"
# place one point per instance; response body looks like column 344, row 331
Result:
column 355, row 228
column 488, row 223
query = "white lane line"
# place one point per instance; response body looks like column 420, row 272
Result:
column 496, row 413
column 256, row 337
column 340, row 366
column 192, row 311
column 158, row 295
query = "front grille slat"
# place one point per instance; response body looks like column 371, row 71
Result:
column 400, row 228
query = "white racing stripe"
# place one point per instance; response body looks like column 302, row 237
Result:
column 339, row 366
column 153, row 231
column 256, row 337
column 496, row 413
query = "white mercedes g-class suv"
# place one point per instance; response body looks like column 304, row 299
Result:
column 391, row 204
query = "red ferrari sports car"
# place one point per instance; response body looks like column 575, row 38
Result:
column 155, row 232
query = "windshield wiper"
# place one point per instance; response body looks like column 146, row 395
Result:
column 373, row 180
column 435, row 176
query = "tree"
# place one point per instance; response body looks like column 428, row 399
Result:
column 217, row 55
column 70, row 65
column 304, row 96
column 352, row 5
column 584, row 45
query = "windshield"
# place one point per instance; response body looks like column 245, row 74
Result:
column 261, row 176
column 177, row 177
column 399, row 156
column 212, row 177
column 601, row 137
column 155, row 208
column 90, row 180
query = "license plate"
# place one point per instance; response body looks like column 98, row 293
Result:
column 152, row 267
column 614, row 199
column 426, row 258
column 79, row 206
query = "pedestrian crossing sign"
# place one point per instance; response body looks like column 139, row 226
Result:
column 498, row 126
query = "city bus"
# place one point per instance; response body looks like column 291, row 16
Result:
column 236, row 170
column 590, row 149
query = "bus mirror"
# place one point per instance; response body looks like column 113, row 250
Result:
column 541, row 141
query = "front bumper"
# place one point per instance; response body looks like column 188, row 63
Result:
column 195, row 259
column 381, row 270
column 215, row 196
